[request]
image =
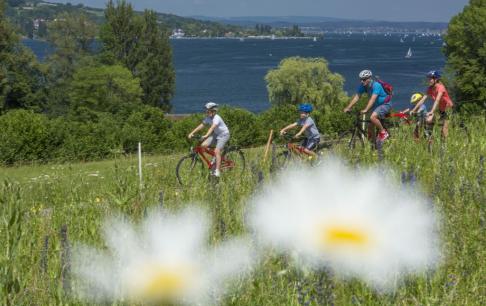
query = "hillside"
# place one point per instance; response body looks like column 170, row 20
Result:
column 32, row 16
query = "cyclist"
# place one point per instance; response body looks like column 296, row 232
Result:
column 308, row 126
column 217, row 135
column 379, row 102
column 442, row 100
column 419, row 110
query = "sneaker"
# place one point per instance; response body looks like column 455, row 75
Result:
column 383, row 135
column 217, row 173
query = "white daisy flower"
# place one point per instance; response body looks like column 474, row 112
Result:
column 163, row 260
column 358, row 223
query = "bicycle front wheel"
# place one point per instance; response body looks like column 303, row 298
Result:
column 281, row 160
column 233, row 161
column 189, row 169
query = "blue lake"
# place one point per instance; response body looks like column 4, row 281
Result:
column 230, row 71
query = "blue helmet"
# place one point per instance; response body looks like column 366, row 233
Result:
column 306, row 108
column 434, row 74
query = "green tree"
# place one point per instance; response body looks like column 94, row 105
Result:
column 155, row 69
column 111, row 89
column 140, row 44
column 22, row 79
column 72, row 33
column 466, row 55
column 298, row 80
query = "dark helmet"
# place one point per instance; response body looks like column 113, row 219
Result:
column 434, row 74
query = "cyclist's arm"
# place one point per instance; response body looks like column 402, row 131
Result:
column 302, row 130
column 419, row 103
column 288, row 127
column 197, row 129
column 210, row 131
column 436, row 102
column 352, row 103
column 370, row 103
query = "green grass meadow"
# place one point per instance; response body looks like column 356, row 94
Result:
column 38, row 201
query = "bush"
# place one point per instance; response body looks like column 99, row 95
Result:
column 87, row 140
column 176, row 136
column 243, row 125
column 276, row 118
column 147, row 126
column 24, row 137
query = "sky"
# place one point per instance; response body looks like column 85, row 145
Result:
column 389, row 10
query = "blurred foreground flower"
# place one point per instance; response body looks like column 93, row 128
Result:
column 357, row 223
column 164, row 260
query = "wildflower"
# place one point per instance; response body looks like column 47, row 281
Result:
column 358, row 224
column 98, row 200
column 163, row 260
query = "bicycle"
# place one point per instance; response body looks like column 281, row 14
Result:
column 294, row 151
column 197, row 164
column 359, row 133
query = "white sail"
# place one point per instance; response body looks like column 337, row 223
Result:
column 409, row 53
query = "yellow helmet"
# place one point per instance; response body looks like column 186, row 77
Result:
column 416, row 97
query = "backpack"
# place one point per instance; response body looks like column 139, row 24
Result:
column 388, row 89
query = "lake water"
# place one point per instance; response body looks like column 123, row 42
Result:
column 230, row 71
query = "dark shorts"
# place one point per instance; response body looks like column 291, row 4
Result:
column 310, row 143
column 444, row 115
column 383, row 110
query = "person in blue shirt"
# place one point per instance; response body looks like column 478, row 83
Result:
column 379, row 103
column 307, row 127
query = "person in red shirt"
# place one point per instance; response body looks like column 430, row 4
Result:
column 442, row 101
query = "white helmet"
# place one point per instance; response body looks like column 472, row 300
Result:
column 210, row 105
column 365, row 74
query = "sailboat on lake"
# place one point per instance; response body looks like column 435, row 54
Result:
column 409, row 53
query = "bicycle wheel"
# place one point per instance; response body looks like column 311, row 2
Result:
column 354, row 140
column 233, row 161
column 189, row 169
column 281, row 160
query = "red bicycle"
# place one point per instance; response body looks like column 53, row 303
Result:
column 292, row 151
column 202, row 160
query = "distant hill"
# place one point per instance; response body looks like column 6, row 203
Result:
column 29, row 15
column 330, row 24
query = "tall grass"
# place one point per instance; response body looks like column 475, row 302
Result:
column 47, row 209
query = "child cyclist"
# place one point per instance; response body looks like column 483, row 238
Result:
column 442, row 101
column 379, row 103
column 217, row 135
column 419, row 110
column 308, row 126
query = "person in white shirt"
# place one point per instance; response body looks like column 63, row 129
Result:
column 217, row 135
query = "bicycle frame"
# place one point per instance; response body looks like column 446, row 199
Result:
column 202, row 151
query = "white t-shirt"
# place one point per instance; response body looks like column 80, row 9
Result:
column 221, row 128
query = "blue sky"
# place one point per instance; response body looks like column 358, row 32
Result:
column 391, row 10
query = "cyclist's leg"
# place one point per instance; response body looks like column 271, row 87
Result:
column 209, row 142
column 221, row 141
column 379, row 113
column 444, row 119
column 309, row 145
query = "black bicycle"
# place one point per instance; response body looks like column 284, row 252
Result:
column 357, row 136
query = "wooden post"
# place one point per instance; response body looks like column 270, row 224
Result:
column 267, row 147
column 140, row 163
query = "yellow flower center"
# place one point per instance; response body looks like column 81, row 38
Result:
column 162, row 283
column 343, row 236
column 165, row 282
